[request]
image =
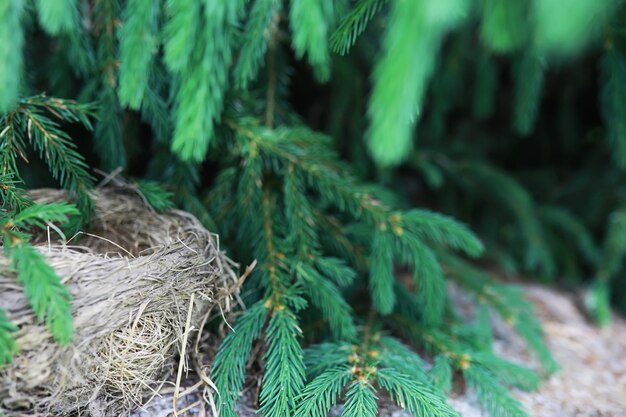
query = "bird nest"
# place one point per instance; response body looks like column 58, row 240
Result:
column 140, row 282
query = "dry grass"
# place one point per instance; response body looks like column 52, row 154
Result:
column 131, row 280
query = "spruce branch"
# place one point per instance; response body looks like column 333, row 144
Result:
column 360, row 400
column 46, row 293
column 284, row 375
column 32, row 121
column 328, row 299
column 310, row 21
column 8, row 347
column 321, row 357
column 11, row 61
column 57, row 149
column 11, row 195
column 323, row 392
column 493, row 396
column 229, row 367
column 138, row 44
column 257, row 36
column 401, row 76
column 501, row 28
column 441, row 373
column 202, row 83
column 181, row 28
column 354, row 24
column 415, row 396
column 58, row 16
column 159, row 199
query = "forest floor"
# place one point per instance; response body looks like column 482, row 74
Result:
column 591, row 383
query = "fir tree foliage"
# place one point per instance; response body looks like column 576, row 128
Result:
column 11, row 41
column 354, row 24
column 310, row 20
column 403, row 72
column 348, row 272
column 504, row 24
column 138, row 44
column 8, row 347
column 36, row 122
column 58, row 16
column 48, row 297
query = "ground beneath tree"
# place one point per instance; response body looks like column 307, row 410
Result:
column 592, row 382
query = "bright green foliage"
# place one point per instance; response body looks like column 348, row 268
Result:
column 138, row 44
column 57, row 16
column 158, row 198
column 326, row 297
column 11, row 40
column 360, row 401
column 230, row 362
column 415, row 396
column 381, row 273
column 213, row 100
column 284, row 367
column 8, row 347
column 261, row 22
column 354, row 24
column 359, row 371
column 48, row 297
column 565, row 33
column 202, row 83
column 36, row 121
column 613, row 101
column 441, row 373
column 323, row 392
column 181, row 28
column 402, row 74
column 504, row 24
column 309, row 21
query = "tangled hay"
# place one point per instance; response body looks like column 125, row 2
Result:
column 132, row 279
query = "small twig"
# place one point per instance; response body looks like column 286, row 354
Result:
column 181, row 362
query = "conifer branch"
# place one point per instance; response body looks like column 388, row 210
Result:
column 202, row 83
column 138, row 44
column 323, row 392
column 493, row 396
column 8, row 347
column 46, row 293
column 354, row 24
column 229, row 367
column 310, row 21
column 58, row 16
column 258, row 39
column 360, row 400
column 402, row 74
column 108, row 131
column 11, row 61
